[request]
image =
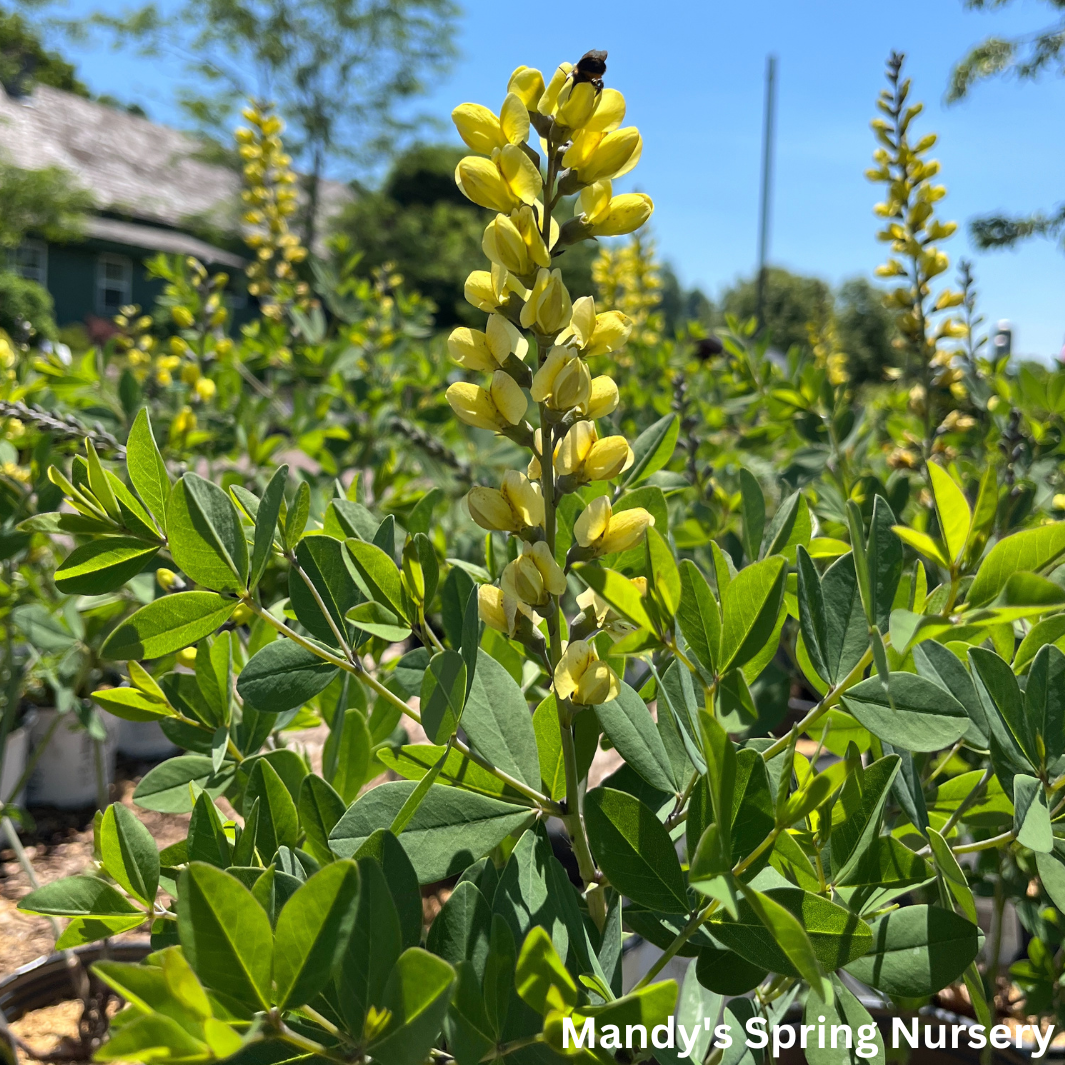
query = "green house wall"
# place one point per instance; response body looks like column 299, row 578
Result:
column 72, row 279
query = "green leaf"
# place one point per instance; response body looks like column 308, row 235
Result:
column 319, row 809
column 1044, row 702
column 416, row 997
column 146, row 469
column 206, row 536
column 498, row 723
column 373, row 947
column 883, row 552
column 1031, row 816
column 225, row 935
column 207, row 840
column 836, row 935
column 165, row 787
column 631, row 729
column 450, row 830
column 752, row 504
column 617, row 590
column 923, row 544
column 128, row 852
column 665, row 578
column 326, row 564
column 402, row 879
column 1052, row 874
column 841, row 1010
column 953, row 874
column 1048, row 631
column 461, row 930
column 82, row 930
column 699, row 615
column 381, row 576
column 132, row 704
column 952, row 509
column 918, row 716
column 1029, row 551
column 142, row 1038
column 549, row 749
column 790, row 528
column 540, row 978
column 443, row 695
column 725, row 973
column 282, row 676
column 312, row 933
column 854, row 835
column 103, row 565
column 652, row 449
column 296, row 518
column 1012, row 744
column 751, row 606
column 379, row 621
column 278, row 821
column 939, row 664
column 167, row 625
column 634, row 850
column 413, row 761
column 266, row 523
column 78, row 896
column 916, row 951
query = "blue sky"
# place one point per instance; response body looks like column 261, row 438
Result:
column 692, row 73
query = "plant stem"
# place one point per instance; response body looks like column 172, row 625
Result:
column 984, row 844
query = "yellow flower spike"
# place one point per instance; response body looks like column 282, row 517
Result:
column 470, row 349
column 603, row 398
column 526, row 221
column 609, row 112
column 478, row 127
column 613, row 155
column 574, row 449
column 612, row 329
column 491, row 510
column 528, row 84
column 548, row 308
column 481, row 181
column 549, row 98
column 509, row 399
column 522, row 178
column 524, row 497
column 602, row 532
column 626, row 214
column 576, row 102
column 608, row 458
column 503, row 243
column 514, row 119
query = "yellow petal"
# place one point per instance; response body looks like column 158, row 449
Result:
column 595, row 201
column 549, row 98
column 490, row 607
column 598, row 684
column 544, row 378
column 474, row 405
column 572, row 386
column 550, row 571
column 522, row 177
column 522, row 580
column 616, row 154
column 576, row 445
column 625, row 530
column 592, row 522
column 478, row 127
column 504, row 339
column 609, row 112
column 492, row 510
column 503, row 244
column 626, row 214
column 481, row 181
column 514, row 119
column 528, row 83
column 480, row 292
column 524, row 497
column 576, row 102
column 577, row 657
column 603, row 399
column 470, row 349
column 607, row 459
column 612, row 329
column 509, row 399
column 582, row 321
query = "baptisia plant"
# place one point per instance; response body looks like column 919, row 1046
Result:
column 289, row 924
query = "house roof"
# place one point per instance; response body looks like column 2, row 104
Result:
column 132, row 166
column 151, row 238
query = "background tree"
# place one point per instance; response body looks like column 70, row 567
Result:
column 339, row 71
column 24, row 61
column 1025, row 57
column 865, row 329
column 792, row 304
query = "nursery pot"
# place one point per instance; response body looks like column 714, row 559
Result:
column 13, row 764
column 66, row 774
column 143, row 740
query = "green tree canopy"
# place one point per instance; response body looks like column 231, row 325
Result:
column 45, row 202
column 792, row 303
column 25, row 62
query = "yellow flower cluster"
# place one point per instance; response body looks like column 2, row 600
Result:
column 629, row 278
column 530, row 312
column 271, row 200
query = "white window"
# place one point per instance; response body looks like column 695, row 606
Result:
column 30, row 260
column 114, row 283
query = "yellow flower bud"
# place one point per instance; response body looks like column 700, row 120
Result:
column 514, row 119
column 612, row 155
column 576, row 102
column 500, row 611
column 491, row 510
column 608, row 458
column 205, row 389
column 548, row 308
column 167, row 578
column 182, row 316
column 549, row 98
column 574, row 449
column 503, row 244
column 469, row 348
column 626, row 214
column 480, row 180
column 609, row 112
column 581, row 677
column 478, row 127
column 190, row 373
column 594, row 201
column 480, row 291
column 526, row 221
column 164, row 378
column 178, row 345
column 524, row 497
column 563, row 382
column 603, row 399
column 187, row 656
column 1059, row 501
column 528, row 84
column 533, row 575
column 604, row 532
column 501, row 404
column 612, row 329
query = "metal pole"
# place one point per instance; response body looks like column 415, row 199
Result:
column 767, row 176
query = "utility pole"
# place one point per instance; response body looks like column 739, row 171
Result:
column 767, row 177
